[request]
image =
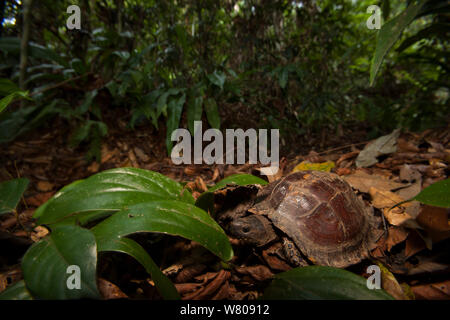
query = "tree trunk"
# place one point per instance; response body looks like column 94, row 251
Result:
column 24, row 43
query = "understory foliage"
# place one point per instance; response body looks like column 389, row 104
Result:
column 300, row 66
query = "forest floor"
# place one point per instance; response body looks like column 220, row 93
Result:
column 414, row 247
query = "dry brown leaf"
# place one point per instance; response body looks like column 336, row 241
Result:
column 108, row 154
column 141, row 154
column 397, row 216
column 38, row 233
column 390, row 284
column 189, row 272
column 396, row 235
column 39, row 199
column 212, row 287
column 45, row 186
column 434, row 291
column 362, row 181
column 435, row 221
column 409, row 173
column 93, row 167
column 259, row 273
column 109, row 290
column 406, row 146
column 414, row 244
column 184, row 288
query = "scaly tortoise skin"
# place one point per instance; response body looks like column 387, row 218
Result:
column 318, row 211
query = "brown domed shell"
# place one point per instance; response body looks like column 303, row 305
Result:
column 320, row 212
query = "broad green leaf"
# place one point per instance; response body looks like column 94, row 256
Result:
column 132, row 248
column 206, row 202
column 212, row 113
column 174, row 110
column 88, row 99
column 438, row 194
column 321, row 283
column 389, row 34
column 436, row 29
column 238, row 179
column 10, row 194
column 7, row 87
column 169, row 217
column 12, row 45
column 45, row 265
column 111, row 190
column 4, row 102
column 283, row 76
column 217, row 78
column 161, row 104
column 194, row 111
column 17, row 291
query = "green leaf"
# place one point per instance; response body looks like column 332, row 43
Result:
column 111, row 190
column 194, row 111
column 389, row 34
column 169, row 217
column 88, row 99
column 12, row 45
column 174, row 109
column 18, row 291
column 46, row 263
column 212, row 113
column 206, row 202
column 132, row 248
column 217, row 78
column 7, row 87
column 436, row 29
column 4, row 102
column 238, row 179
column 283, row 76
column 10, row 194
column 318, row 283
column 438, row 194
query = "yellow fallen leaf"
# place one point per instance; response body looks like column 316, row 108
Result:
column 391, row 285
column 397, row 216
column 323, row 166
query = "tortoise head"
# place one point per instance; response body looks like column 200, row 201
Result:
column 252, row 229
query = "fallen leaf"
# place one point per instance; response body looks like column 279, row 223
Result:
column 141, row 155
column 93, row 167
column 383, row 145
column 414, row 244
column 362, row 181
column 45, row 186
column 346, row 156
column 435, row 221
column 397, row 216
column 39, row 199
column 109, row 290
column 259, row 272
column 390, row 284
column 305, row 165
column 434, row 291
column 409, row 173
column 212, row 287
column 38, row 233
column 396, row 235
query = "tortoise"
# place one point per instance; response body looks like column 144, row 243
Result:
column 316, row 215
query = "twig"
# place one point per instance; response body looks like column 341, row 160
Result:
column 60, row 84
column 343, row 147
